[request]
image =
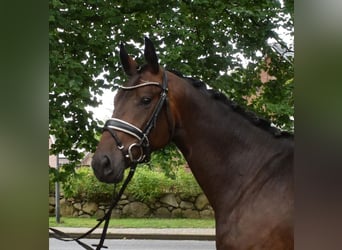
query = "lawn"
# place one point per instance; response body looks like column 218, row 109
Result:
column 135, row 223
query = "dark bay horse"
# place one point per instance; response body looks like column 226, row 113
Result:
column 244, row 166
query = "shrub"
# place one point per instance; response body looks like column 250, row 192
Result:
column 85, row 185
column 146, row 185
column 186, row 184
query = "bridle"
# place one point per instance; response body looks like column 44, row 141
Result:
column 112, row 125
column 142, row 146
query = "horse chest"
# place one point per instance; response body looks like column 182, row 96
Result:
column 250, row 230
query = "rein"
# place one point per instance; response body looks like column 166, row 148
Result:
column 143, row 145
column 65, row 237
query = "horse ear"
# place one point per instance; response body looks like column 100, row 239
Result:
column 151, row 56
column 128, row 64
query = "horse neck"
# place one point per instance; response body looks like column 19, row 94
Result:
column 223, row 149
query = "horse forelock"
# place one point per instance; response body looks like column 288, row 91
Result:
column 132, row 81
column 142, row 68
column 135, row 79
column 219, row 96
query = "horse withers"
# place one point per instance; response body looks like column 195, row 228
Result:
column 242, row 163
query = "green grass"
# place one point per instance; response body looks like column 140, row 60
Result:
column 135, row 223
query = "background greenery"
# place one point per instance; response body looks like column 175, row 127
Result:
column 146, row 185
column 223, row 43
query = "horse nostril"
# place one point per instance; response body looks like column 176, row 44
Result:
column 105, row 163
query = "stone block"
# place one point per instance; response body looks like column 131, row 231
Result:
column 99, row 214
column 136, row 210
column 177, row 213
column 206, row 214
column 162, row 212
column 52, row 201
column 51, row 209
column 123, row 202
column 116, row 213
column 186, row 205
column 77, row 205
column 66, row 209
column 90, row 208
column 169, row 199
column 201, row 202
column 191, row 214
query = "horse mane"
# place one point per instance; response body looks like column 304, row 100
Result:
column 250, row 116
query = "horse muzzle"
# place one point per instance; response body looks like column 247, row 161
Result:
column 106, row 169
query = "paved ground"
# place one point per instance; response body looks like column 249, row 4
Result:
column 145, row 233
column 125, row 244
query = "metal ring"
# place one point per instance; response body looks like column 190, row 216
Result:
column 130, row 153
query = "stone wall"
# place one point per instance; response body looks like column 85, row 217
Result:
column 168, row 206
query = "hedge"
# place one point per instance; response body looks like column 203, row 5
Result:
column 146, row 185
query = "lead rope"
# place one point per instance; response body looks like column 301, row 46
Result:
column 61, row 235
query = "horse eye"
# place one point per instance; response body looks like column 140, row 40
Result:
column 146, row 100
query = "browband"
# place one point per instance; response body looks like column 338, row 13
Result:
column 140, row 85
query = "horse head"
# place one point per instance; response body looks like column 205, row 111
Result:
column 141, row 121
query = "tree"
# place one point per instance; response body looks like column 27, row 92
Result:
column 223, row 43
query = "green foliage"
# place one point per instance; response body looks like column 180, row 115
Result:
column 146, row 185
column 84, row 39
column 185, row 183
column 167, row 159
column 85, row 185
column 65, row 172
